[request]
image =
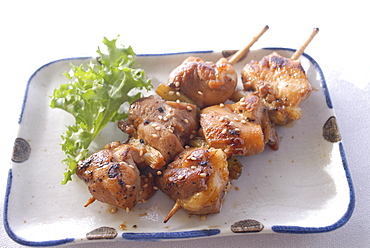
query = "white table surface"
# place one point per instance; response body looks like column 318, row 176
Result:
column 34, row 33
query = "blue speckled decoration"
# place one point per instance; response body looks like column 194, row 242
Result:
column 170, row 235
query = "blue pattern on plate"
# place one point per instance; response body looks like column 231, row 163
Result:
column 170, row 235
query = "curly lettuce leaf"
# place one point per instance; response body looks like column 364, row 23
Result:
column 94, row 95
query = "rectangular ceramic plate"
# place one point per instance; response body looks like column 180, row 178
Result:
column 304, row 187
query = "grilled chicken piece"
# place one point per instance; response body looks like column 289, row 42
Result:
column 197, row 180
column 113, row 177
column 281, row 83
column 234, row 165
column 242, row 128
column 205, row 83
column 164, row 125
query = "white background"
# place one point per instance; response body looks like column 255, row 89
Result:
column 33, row 33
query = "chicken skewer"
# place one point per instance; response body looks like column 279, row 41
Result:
column 219, row 95
column 204, row 83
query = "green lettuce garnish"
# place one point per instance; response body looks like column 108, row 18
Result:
column 94, row 95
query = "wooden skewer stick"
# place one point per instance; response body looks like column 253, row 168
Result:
column 174, row 209
column 91, row 200
column 237, row 56
column 300, row 51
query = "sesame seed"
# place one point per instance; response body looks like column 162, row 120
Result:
column 131, row 166
column 180, row 177
column 165, row 118
column 222, row 118
column 203, row 174
column 159, row 173
column 157, row 128
column 155, row 135
column 222, row 105
column 193, row 158
column 155, row 187
column 236, row 119
column 187, row 147
column 141, row 153
column 128, row 210
column 154, row 124
column 237, row 129
column 128, row 186
column 113, row 210
column 178, row 93
column 224, row 131
column 171, row 93
column 242, row 99
column 189, row 108
column 186, row 121
column 203, row 217
column 177, row 84
column 243, row 121
column 200, row 93
column 193, row 167
column 177, row 101
column 145, row 185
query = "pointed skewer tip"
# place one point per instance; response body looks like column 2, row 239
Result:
column 174, row 209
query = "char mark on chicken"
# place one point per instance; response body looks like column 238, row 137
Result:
column 164, row 125
column 281, row 83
